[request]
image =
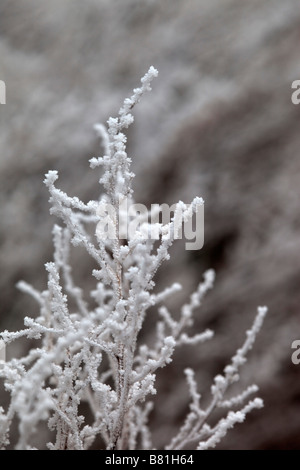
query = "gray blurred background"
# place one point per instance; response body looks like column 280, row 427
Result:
column 219, row 124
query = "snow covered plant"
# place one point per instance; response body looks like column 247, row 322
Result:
column 90, row 361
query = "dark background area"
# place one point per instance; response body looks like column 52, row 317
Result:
column 219, row 124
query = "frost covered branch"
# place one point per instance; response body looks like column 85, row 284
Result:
column 196, row 428
column 93, row 355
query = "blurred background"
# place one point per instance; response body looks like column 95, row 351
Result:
column 219, row 124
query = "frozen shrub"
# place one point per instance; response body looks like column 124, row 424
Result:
column 93, row 355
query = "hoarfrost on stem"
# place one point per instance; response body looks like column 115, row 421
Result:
column 93, row 355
